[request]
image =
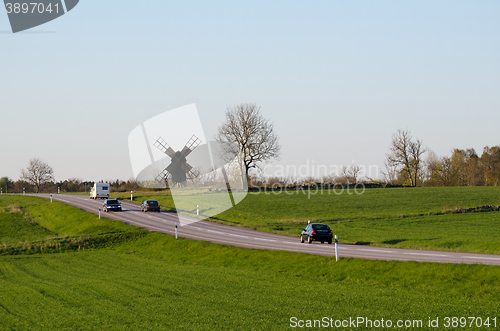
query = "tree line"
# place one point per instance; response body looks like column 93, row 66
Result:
column 38, row 177
column 465, row 167
column 69, row 185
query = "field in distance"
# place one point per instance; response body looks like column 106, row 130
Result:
column 62, row 268
column 419, row 218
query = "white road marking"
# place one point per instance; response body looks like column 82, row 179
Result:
column 237, row 235
column 424, row 254
column 210, row 231
column 367, row 250
column 480, row 257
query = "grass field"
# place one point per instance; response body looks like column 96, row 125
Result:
column 152, row 281
column 423, row 217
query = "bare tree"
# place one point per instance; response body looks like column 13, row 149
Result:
column 351, row 173
column 406, row 155
column 390, row 174
column 248, row 136
column 37, row 173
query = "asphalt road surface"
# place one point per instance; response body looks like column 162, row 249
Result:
column 237, row 236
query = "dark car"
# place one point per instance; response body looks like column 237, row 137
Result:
column 150, row 205
column 111, row 205
column 316, row 232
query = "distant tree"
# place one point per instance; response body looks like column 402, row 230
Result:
column 432, row 166
column 21, row 185
column 466, row 167
column 72, row 185
column 351, row 173
column 6, row 184
column 37, row 173
column 406, row 155
column 391, row 173
column 490, row 160
column 129, row 185
column 246, row 134
column 440, row 171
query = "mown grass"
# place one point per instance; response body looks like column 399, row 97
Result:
column 422, row 217
column 156, row 282
column 59, row 218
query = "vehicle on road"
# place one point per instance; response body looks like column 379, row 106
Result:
column 150, row 205
column 316, row 232
column 99, row 191
column 111, row 205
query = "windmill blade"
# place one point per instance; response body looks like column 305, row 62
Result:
column 164, row 175
column 164, row 147
column 193, row 173
column 191, row 145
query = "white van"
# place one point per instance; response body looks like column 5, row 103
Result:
column 99, row 191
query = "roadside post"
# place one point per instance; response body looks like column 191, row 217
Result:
column 131, row 195
column 197, row 210
column 336, row 248
column 1, row 191
column 100, row 215
column 175, row 230
column 24, row 192
column 58, row 189
column 50, row 197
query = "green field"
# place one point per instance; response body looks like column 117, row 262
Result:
column 422, row 217
column 105, row 275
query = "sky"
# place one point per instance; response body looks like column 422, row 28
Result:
column 337, row 79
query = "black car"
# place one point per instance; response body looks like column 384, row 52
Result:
column 316, row 232
column 111, row 205
column 150, row 205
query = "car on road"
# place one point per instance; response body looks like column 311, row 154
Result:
column 316, row 232
column 111, row 205
column 150, row 205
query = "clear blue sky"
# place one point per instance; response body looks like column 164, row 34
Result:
column 336, row 78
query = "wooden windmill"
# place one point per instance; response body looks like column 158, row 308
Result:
column 179, row 171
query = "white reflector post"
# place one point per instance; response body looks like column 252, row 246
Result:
column 336, row 248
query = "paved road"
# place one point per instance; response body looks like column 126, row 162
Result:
column 236, row 236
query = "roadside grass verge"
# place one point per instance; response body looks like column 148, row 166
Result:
column 152, row 281
column 31, row 225
column 16, row 226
